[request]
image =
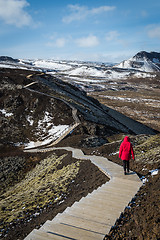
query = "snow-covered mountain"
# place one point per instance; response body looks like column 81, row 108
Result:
column 90, row 75
column 143, row 61
column 137, row 66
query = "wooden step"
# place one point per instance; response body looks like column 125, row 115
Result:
column 71, row 231
column 94, row 215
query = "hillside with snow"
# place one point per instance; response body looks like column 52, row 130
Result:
column 42, row 101
column 90, row 76
column 138, row 66
column 142, row 61
column 37, row 108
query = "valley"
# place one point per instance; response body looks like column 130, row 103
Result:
column 108, row 103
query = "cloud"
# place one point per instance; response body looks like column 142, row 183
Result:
column 59, row 42
column 153, row 31
column 77, row 13
column 101, row 9
column 12, row 12
column 90, row 41
column 144, row 13
column 112, row 35
column 81, row 12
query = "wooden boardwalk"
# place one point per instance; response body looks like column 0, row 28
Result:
column 94, row 215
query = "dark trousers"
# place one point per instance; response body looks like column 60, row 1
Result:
column 126, row 165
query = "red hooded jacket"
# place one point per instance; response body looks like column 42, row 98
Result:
column 126, row 149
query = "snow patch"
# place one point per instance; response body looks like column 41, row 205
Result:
column 143, row 75
column 52, row 134
column 30, row 120
column 51, row 65
column 154, row 172
column 3, row 111
column 142, row 64
column 87, row 71
column 136, row 100
column 144, row 180
column 114, row 153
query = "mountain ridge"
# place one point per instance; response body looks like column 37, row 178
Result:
column 87, row 76
column 143, row 61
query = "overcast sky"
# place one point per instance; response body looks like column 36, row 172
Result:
column 103, row 30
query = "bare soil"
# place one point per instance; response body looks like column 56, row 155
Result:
column 138, row 99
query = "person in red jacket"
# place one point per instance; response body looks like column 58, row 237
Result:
column 125, row 153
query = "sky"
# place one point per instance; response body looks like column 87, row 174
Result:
column 103, row 30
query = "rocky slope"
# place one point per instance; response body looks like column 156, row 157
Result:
column 38, row 112
column 27, row 116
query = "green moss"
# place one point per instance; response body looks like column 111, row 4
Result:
column 44, row 184
column 149, row 150
column 116, row 137
column 150, row 143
